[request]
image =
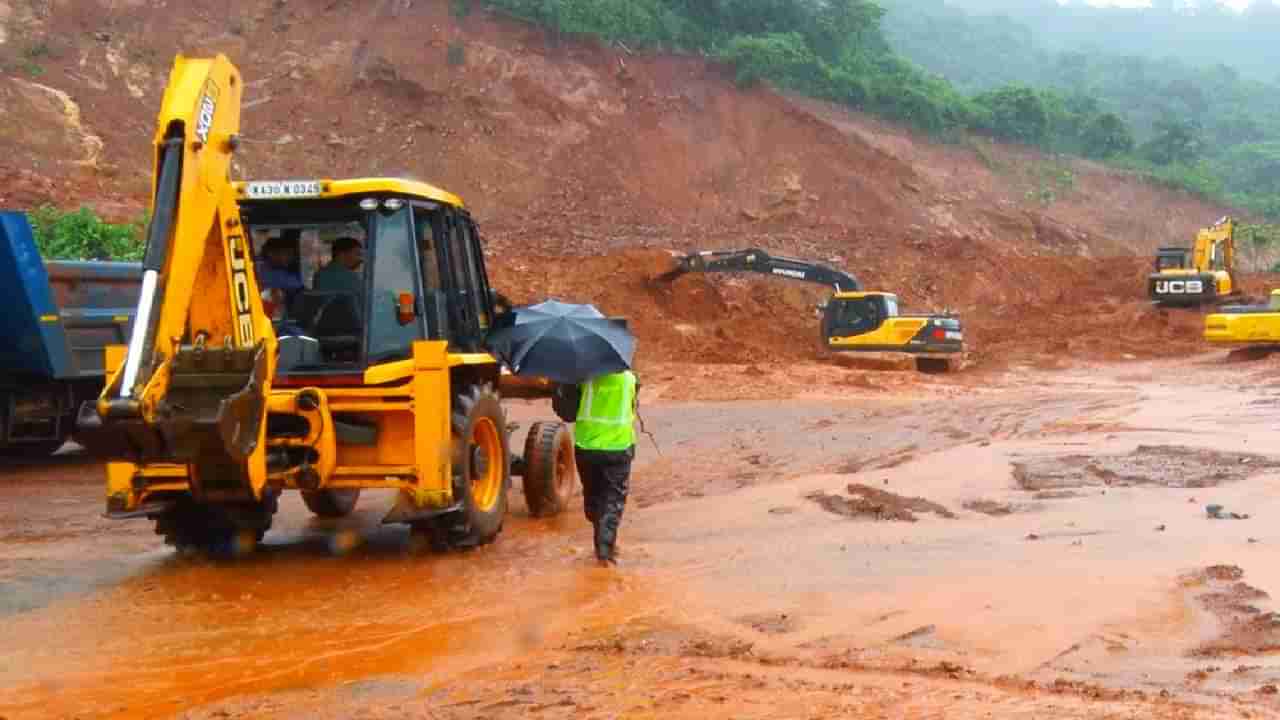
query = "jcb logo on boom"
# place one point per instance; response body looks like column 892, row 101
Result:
column 240, row 289
column 1179, row 287
column 204, row 112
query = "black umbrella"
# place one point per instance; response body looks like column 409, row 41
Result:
column 565, row 342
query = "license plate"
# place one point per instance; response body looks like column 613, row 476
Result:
column 267, row 190
column 954, row 335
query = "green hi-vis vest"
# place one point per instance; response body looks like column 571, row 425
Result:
column 606, row 413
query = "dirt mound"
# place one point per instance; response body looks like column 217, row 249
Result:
column 1162, row 466
column 695, row 318
column 1246, row 629
column 876, row 504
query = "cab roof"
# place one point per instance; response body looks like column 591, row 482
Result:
column 325, row 188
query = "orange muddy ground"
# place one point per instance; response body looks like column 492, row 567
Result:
column 1033, row 544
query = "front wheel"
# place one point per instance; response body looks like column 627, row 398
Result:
column 481, row 466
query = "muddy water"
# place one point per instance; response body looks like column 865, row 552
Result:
column 736, row 587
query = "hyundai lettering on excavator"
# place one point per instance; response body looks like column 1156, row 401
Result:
column 1200, row 275
column 853, row 319
column 237, row 385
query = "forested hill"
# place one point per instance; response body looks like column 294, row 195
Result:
column 1200, row 32
column 1210, row 129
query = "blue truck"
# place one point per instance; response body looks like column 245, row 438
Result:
column 58, row 317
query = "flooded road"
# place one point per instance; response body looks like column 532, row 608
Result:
column 1034, row 544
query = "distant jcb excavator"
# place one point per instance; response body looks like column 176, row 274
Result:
column 1209, row 276
column 853, row 319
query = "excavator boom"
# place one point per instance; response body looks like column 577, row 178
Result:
column 754, row 260
column 192, row 388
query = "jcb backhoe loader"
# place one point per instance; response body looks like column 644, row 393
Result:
column 853, row 319
column 1207, row 277
column 230, row 392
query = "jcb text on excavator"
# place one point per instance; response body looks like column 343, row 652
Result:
column 263, row 359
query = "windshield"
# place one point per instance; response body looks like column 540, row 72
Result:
column 309, row 260
column 1170, row 261
column 854, row 316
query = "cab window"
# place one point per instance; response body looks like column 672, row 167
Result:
column 855, row 316
column 394, row 274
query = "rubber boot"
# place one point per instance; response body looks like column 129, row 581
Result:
column 606, row 537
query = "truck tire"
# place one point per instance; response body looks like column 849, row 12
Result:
column 331, row 503
column 550, row 475
column 481, row 469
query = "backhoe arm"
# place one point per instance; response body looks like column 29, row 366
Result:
column 753, row 260
column 193, row 384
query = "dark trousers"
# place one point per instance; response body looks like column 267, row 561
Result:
column 606, row 479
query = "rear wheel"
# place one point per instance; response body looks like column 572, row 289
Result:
column 481, row 471
column 550, row 475
column 331, row 503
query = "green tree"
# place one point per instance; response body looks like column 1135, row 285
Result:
column 1017, row 113
column 1106, row 135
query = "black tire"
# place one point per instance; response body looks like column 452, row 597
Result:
column 480, row 440
column 331, row 503
column 222, row 530
column 933, row 366
column 550, row 475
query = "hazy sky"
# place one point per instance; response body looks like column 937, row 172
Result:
column 1237, row 4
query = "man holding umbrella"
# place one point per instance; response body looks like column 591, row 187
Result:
column 590, row 357
column 604, row 412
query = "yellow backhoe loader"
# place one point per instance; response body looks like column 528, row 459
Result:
column 853, row 319
column 1207, row 277
column 235, row 387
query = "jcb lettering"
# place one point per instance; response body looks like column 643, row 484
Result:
column 240, row 289
column 204, row 112
column 1179, row 287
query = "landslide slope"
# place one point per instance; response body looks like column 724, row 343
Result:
column 571, row 149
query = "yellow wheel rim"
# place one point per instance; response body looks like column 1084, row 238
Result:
column 486, row 464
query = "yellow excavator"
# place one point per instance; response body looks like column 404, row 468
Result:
column 1201, row 275
column 233, row 389
column 1255, row 326
column 853, row 319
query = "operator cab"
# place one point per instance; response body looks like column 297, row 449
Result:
column 858, row 313
column 1172, row 258
column 422, row 276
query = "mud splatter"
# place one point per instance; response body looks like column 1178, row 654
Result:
column 868, row 502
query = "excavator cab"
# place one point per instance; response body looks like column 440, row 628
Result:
column 1172, row 258
column 1200, row 275
column 872, row 322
